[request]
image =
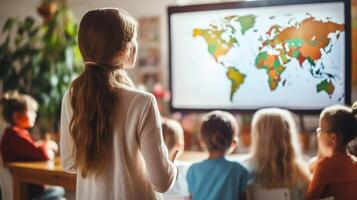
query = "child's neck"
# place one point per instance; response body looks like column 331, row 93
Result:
column 340, row 150
column 17, row 126
column 216, row 154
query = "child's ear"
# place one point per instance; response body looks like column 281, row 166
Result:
column 15, row 117
column 333, row 137
column 234, row 142
column 334, row 140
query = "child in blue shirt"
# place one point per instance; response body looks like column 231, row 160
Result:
column 216, row 177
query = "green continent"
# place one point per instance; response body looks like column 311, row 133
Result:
column 216, row 45
column 272, row 65
column 246, row 22
column 326, row 86
column 236, row 78
column 260, row 59
column 311, row 61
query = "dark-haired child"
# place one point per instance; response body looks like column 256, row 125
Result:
column 336, row 173
column 216, row 177
column 17, row 145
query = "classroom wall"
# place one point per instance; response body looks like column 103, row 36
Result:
column 137, row 8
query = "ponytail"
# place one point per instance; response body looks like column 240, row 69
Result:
column 94, row 95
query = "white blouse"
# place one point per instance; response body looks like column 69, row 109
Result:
column 140, row 166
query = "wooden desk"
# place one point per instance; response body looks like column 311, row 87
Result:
column 46, row 172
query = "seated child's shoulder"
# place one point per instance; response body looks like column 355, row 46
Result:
column 237, row 164
column 196, row 167
column 327, row 164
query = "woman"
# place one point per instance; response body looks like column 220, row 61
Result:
column 110, row 132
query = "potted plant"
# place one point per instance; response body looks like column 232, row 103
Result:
column 41, row 60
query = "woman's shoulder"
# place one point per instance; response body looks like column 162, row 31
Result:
column 133, row 93
column 126, row 93
column 132, row 98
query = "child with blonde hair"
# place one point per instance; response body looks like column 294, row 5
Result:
column 174, row 139
column 276, row 160
column 216, row 177
column 335, row 173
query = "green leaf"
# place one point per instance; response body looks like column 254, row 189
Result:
column 9, row 24
column 47, row 57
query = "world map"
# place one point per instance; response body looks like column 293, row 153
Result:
column 304, row 41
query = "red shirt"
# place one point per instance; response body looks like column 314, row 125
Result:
column 18, row 145
column 335, row 176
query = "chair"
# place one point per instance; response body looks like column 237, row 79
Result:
column 6, row 184
column 5, row 178
column 176, row 197
column 257, row 193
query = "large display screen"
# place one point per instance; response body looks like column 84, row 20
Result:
column 255, row 54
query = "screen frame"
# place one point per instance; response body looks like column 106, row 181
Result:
column 254, row 4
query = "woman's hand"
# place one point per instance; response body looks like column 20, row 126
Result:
column 173, row 155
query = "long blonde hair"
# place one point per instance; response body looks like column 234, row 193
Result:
column 276, row 157
column 105, row 39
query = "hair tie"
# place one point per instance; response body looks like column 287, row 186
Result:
column 104, row 66
column 90, row 63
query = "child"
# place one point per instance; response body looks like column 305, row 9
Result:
column 19, row 111
column 174, row 140
column 111, row 133
column 335, row 173
column 217, row 178
column 276, row 160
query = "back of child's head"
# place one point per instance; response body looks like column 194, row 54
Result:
column 341, row 120
column 276, row 156
column 218, row 130
column 173, row 133
column 12, row 102
column 273, row 128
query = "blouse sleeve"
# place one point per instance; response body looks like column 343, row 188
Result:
column 162, row 173
column 66, row 143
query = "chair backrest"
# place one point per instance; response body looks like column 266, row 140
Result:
column 6, row 184
column 257, row 193
column 176, row 197
column 5, row 180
